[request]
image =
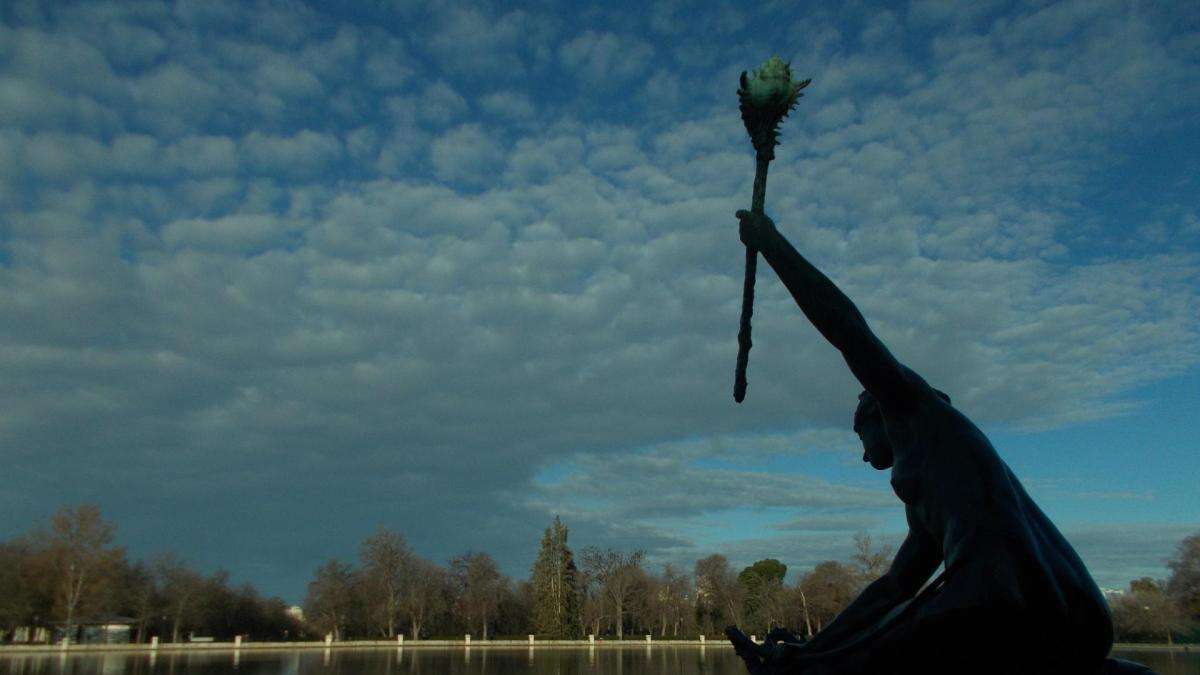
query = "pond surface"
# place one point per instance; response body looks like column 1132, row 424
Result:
column 450, row 661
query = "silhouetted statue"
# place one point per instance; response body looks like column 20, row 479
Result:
column 1014, row 597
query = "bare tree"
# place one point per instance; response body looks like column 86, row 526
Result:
column 478, row 583
column 1184, row 583
column 1147, row 612
column 617, row 574
column 669, row 600
column 79, row 546
column 424, row 594
column 870, row 560
column 179, row 587
column 26, row 583
column 386, row 560
column 591, row 602
column 827, row 590
column 330, row 598
column 719, row 595
column 138, row 594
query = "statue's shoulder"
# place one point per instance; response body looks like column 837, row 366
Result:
column 918, row 392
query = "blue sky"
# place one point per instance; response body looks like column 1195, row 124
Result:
column 274, row 274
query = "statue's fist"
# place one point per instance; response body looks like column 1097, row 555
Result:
column 753, row 227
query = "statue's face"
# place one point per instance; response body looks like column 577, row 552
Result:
column 877, row 449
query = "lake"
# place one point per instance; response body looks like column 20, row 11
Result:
column 442, row 661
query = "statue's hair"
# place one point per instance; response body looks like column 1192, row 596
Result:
column 868, row 406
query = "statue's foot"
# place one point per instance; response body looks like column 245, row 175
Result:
column 1123, row 667
column 778, row 635
column 751, row 652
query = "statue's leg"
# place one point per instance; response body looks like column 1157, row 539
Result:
column 959, row 642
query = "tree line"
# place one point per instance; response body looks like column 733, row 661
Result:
column 1158, row 610
column 55, row 577
column 70, row 571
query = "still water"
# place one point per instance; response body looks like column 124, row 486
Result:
column 433, row 661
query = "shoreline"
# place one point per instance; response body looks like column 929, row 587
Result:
column 358, row 644
column 431, row 644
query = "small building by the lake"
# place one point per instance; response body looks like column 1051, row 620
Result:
column 100, row 630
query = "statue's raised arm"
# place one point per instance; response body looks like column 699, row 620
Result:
column 833, row 315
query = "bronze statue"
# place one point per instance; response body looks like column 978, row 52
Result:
column 1014, row 597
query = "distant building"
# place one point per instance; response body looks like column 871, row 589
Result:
column 1111, row 594
column 99, row 630
column 30, row 635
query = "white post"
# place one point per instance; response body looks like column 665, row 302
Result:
column 647, row 638
column 237, row 641
column 328, row 639
column 400, row 639
column 592, row 639
column 531, row 640
column 701, row 639
column 154, row 643
column 467, row 639
column 66, row 641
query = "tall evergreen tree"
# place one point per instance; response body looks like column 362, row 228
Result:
column 555, row 587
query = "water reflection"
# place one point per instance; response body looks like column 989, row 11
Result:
column 451, row 661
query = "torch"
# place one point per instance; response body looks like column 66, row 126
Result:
column 766, row 98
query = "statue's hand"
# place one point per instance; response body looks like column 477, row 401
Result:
column 754, row 228
column 774, row 656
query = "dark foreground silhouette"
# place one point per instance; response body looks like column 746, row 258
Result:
column 1008, row 571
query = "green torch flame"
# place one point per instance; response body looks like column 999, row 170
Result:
column 766, row 98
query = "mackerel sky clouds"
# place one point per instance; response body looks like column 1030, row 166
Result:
column 273, row 274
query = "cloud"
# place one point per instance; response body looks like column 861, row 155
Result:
column 286, row 79
column 535, row 161
column 466, row 153
column 509, row 104
column 303, row 155
column 230, row 233
column 604, row 59
column 32, row 105
column 644, row 487
column 441, row 104
column 1117, row 553
column 468, row 43
column 832, row 522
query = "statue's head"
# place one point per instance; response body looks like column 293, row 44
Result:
column 868, row 424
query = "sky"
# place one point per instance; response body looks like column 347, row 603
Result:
column 275, row 274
